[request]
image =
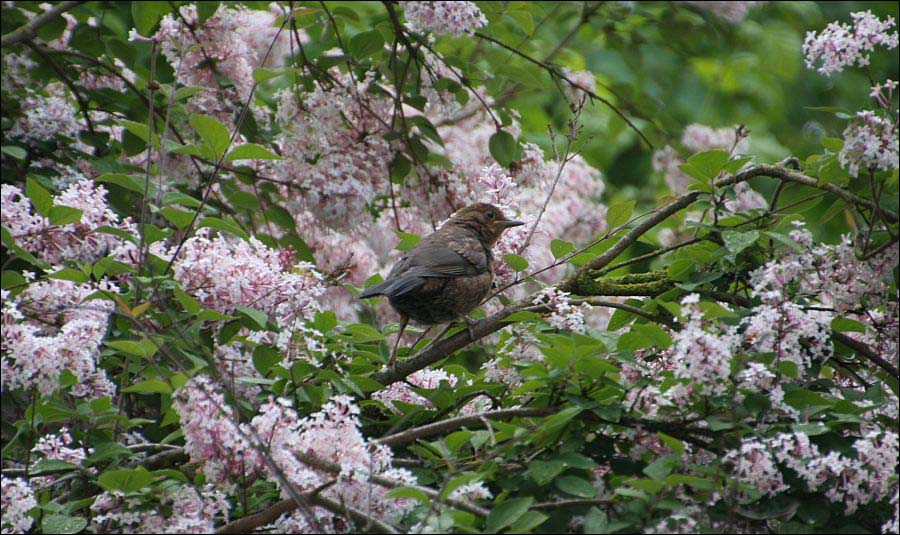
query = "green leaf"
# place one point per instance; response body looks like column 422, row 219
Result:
column 503, row 147
column 125, row 479
column 695, row 482
column 407, row 240
column 261, row 75
column 224, row 226
column 528, row 521
column 676, row 445
column 661, row 467
column 408, row 492
column 150, row 386
column 63, row 523
column 506, row 513
column 619, row 214
column 40, row 198
column 516, row 262
column 543, row 472
column 15, row 152
column 576, row 486
column 560, row 248
column 260, row 318
column 143, row 348
column 845, row 325
column 251, row 151
column 69, row 274
column 365, row 44
column 64, row 215
column 44, row 466
column 213, row 133
column 706, row 165
column 265, row 358
column 179, row 218
column 596, row 521
column 146, row 15
column 362, row 333
column 738, row 241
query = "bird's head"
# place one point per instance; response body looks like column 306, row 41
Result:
column 486, row 220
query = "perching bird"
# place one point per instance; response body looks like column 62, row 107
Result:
column 448, row 273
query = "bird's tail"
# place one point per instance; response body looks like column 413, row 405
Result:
column 393, row 287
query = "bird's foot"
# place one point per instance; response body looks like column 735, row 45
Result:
column 470, row 325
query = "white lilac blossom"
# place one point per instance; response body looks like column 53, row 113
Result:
column 563, row 314
column 702, row 355
column 841, row 45
column 444, row 17
column 870, row 142
column 17, row 498
column 51, row 327
column 852, row 482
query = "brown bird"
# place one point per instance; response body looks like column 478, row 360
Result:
column 448, row 273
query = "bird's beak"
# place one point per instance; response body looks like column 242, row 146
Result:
column 510, row 223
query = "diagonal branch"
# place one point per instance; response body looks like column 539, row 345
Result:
column 29, row 31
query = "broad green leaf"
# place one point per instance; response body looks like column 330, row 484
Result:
column 65, row 524
column 619, row 214
column 213, row 133
column 64, row 215
column 146, row 15
column 251, row 151
column 516, row 262
column 40, row 198
column 738, row 241
column 125, row 479
column 150, row 386
column 506, row 513
column 503, row 147
column 365, row 44
column 576, row 486
column 560, row 248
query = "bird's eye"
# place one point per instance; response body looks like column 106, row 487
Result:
column 490, row 214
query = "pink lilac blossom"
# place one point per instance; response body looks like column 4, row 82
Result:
column 56, row 446
column 17, row 498
column 584, row 83
column 732, row 11
column 190, row 511
column 51, row 327
column 841, row 45
column 870, row 143
column 745, row 199
column 442, row 17
column 755, row 465
column 223, row 273
column 792, row 333
column 334, row 148
column 79, row 242
column 518, row 345
column 231, row 43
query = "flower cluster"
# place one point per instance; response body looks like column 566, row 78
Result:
column 841, row 45
column 17, row 499
column 52, row 327
column 701, row 356
column 234, row 454
column 80, row 241
column 400, row 391
column 230, row 43
column 870, row 477
column 563, row 314
column 870, row 143
column 443, row 17
column 189, row 511
column 223, row 273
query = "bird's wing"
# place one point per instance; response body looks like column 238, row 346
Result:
column 424, row 261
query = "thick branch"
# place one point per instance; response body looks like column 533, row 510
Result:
column 249, row 523
column 29, row 31
column 789, row 175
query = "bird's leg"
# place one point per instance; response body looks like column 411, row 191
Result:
column 470, row 323
column 403, row 321
column 438, row 337
column 419, row 339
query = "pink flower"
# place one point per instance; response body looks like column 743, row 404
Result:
column 17, row 499
column 840, row 45
column 442, row 17
column 870, row 142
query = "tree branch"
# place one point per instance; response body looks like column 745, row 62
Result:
column 437, row 428
column 29, row 31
